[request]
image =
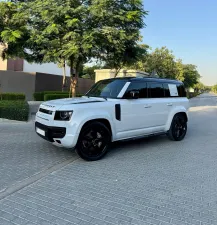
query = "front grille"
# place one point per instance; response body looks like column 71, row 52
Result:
column 49, row 112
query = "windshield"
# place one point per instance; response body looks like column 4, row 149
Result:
column 106, row 88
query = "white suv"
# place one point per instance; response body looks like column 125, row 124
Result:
column 113, row 110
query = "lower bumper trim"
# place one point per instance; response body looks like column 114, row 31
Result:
column 51, row 132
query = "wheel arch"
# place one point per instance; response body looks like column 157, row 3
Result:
column 104, row 121
column 181, row 111
column 100, row 120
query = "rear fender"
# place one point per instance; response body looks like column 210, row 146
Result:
column 175, row 111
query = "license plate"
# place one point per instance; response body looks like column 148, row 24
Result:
column 41, row 132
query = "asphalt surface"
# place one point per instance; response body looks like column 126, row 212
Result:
column 147, row 181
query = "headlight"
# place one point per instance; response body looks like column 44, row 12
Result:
column 63, row 115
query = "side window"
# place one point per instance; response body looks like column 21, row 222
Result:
column 181, row 90
column 156, row 90
column 137, row 86
column 166, row 90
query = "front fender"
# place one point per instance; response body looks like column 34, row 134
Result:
column 173, row 112
column 93, row 116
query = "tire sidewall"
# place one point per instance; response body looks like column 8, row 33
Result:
column 171, row 131
column 83, row 131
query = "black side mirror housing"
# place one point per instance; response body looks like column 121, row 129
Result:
column 134, row 94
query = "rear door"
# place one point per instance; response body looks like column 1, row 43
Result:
column 159, row 105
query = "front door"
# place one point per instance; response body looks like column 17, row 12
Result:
column 135, row 113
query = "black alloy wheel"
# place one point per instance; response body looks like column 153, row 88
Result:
column 93, row 141
column 178, row 128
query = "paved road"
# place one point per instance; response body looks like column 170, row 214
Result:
column 204, row 100
column 148, row 181
column 23, row 153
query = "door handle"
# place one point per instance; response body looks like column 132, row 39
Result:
column 170, row 104
column 147, row 106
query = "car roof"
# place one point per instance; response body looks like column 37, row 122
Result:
column 146, row 79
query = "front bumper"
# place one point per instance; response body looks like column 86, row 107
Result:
column 59, row 136
column 51, row 133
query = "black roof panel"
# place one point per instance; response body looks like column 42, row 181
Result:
column 149, row 79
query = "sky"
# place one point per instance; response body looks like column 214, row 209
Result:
column 188, row 28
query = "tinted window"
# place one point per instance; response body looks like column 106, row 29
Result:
column 181, row 90
column 166, row 90
column 141, row 87
column 156, row 90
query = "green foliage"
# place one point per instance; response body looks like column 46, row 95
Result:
column 192, row 94
column 48, row 97
column 14, row 34
column 214, row 88
column 40, row 96
column 73, row 31
column 12, row 96
column 77, row 31
column 55, row 92
column 88, row 72
column 191, row 75
column 162, row 62
column 119, row 23
column 201, row 88
column 14, row 110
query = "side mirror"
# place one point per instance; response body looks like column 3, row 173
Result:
column 134, row 94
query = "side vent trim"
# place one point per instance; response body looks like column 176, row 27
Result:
column 118, row 112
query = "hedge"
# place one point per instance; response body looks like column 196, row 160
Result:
column 14, row 110
column 12, row 96
column 40, row 96
column 192, row 94
column 48, row 97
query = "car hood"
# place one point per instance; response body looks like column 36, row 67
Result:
column 69, row 101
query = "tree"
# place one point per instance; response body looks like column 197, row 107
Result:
column 13, row 30
column 76, row 31
column 179, row 70
column 214, row 88
column 88, row 71
column 199, row 87
column 118, row 30
column 191, row 75
column 163, row 62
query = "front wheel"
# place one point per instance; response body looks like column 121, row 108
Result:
column 178, row 128
column 93, row 141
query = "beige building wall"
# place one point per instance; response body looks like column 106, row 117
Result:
column 3, row 64
column 107, row 74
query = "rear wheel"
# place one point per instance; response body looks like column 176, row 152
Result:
column 178, row 128
column 93, row 141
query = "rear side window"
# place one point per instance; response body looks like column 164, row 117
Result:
column 181, row 90
column 141, row 87
column 155, row 90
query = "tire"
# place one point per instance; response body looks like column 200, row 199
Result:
column 178, row 128
column 93, row 141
